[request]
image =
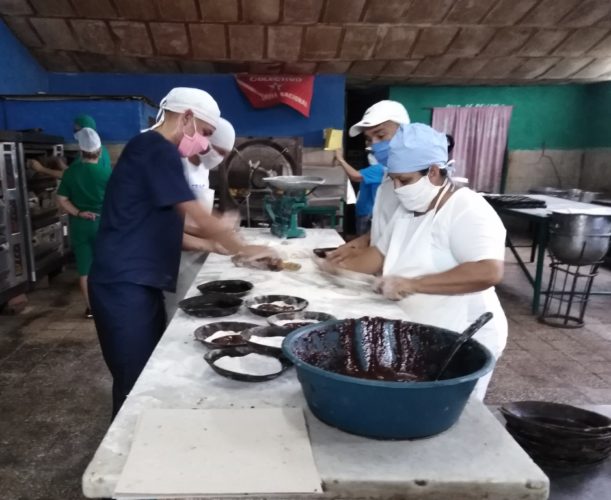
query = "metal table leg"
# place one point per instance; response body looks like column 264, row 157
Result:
column 542, row 246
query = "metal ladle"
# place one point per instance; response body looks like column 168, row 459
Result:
column 460, row 341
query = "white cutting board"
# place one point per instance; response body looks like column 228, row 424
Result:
column 185, row 453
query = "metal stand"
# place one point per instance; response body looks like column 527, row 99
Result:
column 567, row 294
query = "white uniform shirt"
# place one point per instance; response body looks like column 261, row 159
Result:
column 466, row 229
column 384, row 207
column 198, row 179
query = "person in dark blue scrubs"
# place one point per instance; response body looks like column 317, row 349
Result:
column 138, row 246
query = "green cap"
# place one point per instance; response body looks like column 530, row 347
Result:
column 85, row 121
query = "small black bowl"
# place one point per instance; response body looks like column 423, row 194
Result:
column 265, row 331
column 203, row 332
column 299, row 319
column 322, row 252
column 557, row 418
column 550, row 439
column 235, row 288
column 216, row 354
column 295, row 303
column 538, row 430
column 210, row 305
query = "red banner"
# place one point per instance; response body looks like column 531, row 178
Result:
column 265, row 91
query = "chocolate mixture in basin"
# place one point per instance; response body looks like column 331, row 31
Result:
column 367, row 349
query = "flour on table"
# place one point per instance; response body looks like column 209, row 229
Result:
column 221, row 333
column 267, row 341
column 276, row 303
column 251, row 364
column 283, row 322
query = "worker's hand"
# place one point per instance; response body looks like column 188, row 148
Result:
column 256, row 252
column 88, row 215
column 209, row 246
column 220, row 249
column 326, row 265
column 346, row 251
column 395, row 287
column 35, row 165
column 232, row 218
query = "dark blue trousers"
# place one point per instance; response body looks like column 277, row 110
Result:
column 130, row 320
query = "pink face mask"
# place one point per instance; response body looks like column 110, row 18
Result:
column 191, row 145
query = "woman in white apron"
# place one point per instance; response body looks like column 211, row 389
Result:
column 443, row 250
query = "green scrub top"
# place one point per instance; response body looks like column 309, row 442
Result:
column 84, row 184
column 104, row 160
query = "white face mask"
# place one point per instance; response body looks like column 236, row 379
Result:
column 418, row 196
column 211, row 159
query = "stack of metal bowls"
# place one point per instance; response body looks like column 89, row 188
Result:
column 579, row 239
column 559, row 437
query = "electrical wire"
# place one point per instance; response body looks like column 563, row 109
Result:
column 553, row 164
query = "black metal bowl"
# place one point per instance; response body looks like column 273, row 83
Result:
column 543, row 432
column 559, row 456
column 560, row 452
column 265, row 331
column 216, row 354
column 561, row 418
column 294, row 304
column 210, row 305
column 203, row 332
column 299, row 319
column 236, row 288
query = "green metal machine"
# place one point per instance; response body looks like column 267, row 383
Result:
column 288, row 197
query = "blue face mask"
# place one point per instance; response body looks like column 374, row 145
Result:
column 380, row 150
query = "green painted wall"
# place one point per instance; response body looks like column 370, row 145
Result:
column 555, row 115
column 598, row 115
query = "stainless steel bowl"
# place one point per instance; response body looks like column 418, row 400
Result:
column 579, row 239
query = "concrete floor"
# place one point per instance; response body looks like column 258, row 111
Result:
column 55, row 404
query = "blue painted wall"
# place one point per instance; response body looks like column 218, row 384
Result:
column 327, row 104
column 116, row 120
column 20, row 73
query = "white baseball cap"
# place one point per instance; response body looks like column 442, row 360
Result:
column 88, row 140
column 381, row 112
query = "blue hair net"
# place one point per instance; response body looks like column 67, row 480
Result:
column 415, row 147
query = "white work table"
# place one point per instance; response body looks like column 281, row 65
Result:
column 475, row 459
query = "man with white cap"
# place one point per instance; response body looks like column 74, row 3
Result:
column 379, row 124
column 443, row 250
column 137, row 251
column 81, row 194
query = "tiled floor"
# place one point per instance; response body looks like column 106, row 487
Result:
column 55, row 390
column 547, row 363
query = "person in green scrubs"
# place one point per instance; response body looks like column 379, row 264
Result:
column 81, row 194
column 80, row 122
column 86, row 121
